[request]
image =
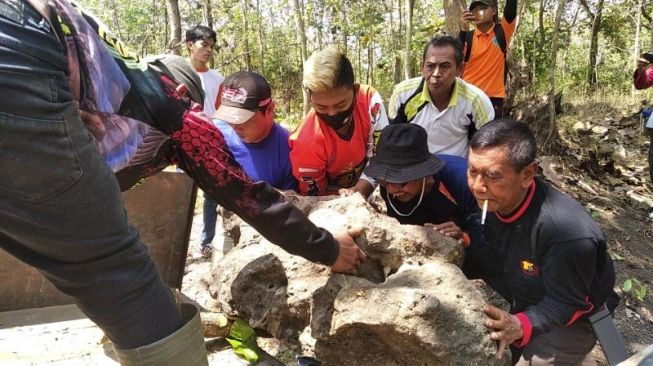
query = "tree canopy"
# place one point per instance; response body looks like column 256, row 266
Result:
column 598, row 40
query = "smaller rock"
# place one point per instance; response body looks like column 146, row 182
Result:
column 586, row 187
column 582, row 127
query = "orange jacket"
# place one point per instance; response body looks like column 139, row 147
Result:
column 321, row 161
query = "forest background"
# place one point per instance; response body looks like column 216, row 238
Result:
column 579, row 47
column 593, row 147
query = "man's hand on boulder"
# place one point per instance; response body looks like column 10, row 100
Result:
column 346, row 192
column 363, row 187
column 349, row 255
column 448, row 229
column 506, row 327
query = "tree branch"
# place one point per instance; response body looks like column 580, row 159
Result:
column 250, row 52
column 587, row 9
column 645, row 13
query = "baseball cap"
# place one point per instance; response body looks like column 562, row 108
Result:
column 486, row 2
column 243, row 94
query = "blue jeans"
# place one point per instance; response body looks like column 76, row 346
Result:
column 650, row 153
column 61, row 208
column 209, row 216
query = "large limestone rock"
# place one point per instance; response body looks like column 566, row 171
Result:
column 409, row 305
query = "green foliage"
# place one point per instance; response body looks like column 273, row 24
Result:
column 263, row 36
column 242, row 339
column 635, row 288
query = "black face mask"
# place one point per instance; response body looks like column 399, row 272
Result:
column 339, row 119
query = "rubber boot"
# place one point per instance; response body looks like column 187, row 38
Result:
column 184, row 347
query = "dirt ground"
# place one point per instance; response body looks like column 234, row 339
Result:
column 604, row 167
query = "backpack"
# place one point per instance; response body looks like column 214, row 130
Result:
column 467, row 37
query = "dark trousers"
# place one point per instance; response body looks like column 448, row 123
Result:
column 61, row 208
column 569, row 345
column 497, row 104
column 650, row 154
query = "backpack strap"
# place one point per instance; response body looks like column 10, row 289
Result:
column 500, row 36
column 469, row 37
column 466, row 38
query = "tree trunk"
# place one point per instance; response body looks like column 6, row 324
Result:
column 360, row 63
column 453, row 10
column 154, row 9
column 248, row 55
column 116, row 22
column 540, row 26
column 650, row 27
column 534, row 64
column 208, row 13
column 208, row 17
column 552, row 79
column 395, row 30
column 592, row 79
column 175, row 26
column 166, row 27
column 649, row 18
column 261, row 37
column 638, row 27
column 516, row 37
column 396, row 70
column 650, row 47
column 408, row 60
column 302, row 48
column 517, row 78
column 370, row 63
column 570, row 34
column 397, row 41
column 345, row 32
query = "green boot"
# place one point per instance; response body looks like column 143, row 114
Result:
column 184, row 347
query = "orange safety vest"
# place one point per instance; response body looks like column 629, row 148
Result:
column 321, row 161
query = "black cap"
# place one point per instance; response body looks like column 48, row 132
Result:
column 402, row 155
column 486, row 2
column 243, row 93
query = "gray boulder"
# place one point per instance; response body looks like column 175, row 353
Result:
column 409, row 305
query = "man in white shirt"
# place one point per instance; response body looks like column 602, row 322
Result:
column 447, row 107
column 200, row 41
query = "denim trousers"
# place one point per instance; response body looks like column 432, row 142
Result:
column 209, row 216
column 61, row 209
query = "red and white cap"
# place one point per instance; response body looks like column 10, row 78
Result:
column 243, row 94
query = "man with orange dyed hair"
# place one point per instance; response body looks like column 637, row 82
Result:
column 485, row 48
column 330, row 149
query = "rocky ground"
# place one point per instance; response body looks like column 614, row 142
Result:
column 606, row 169
column 603, row 166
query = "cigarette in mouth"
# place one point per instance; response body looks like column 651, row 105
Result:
column 484, row 214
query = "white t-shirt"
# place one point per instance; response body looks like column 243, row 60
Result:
column 211, row 81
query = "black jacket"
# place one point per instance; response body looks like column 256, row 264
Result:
column 549, row 261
